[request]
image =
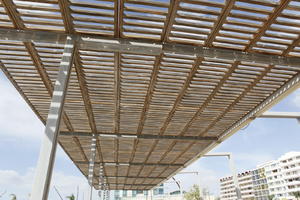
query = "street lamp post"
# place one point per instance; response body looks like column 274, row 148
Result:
column 193, row 172
column 232, row 169
column 179, row 186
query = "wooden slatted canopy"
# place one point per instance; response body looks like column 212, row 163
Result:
column 161, row 82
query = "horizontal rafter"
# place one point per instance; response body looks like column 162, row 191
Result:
column 139, row 177
column 130, row 164
column 142, row 136
column 145, row 47
column 280, row 115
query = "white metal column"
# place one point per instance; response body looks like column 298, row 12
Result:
column 235, row 177
column 101, row 181
column 232, row 169
column 46, row 160
column 92, row 164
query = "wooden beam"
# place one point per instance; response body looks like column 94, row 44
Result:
column 170, row 19
column 272, row 18
column 118, row 19
column 149, row 94
column 117, row 80
column 219, row 23
column 84, row 92
column 66, row 14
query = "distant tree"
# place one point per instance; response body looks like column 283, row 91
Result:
column 193, row 194
column 71, row 197
column 296, row 194
column 271, row 197
column 13, row 197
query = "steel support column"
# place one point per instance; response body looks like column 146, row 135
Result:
column 92, row 164
column 101, row 181
column 235, row 177
column 46, row 160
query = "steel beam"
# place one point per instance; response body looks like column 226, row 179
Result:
column 142, row 136
column 92, row 164
column 147, row 177
column 293, row 115
column 142, row 185
column 131, row 164
column 49, row 143
column 101, row 182
column 141, row 46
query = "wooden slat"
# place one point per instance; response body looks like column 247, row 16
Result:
column 241, row 96
column 222, row 18
column 210, row 97
column 268, row 23
column 181, row 94
column 149, row 94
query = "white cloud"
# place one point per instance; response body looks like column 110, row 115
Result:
column 296, row 99
column 252, row 159
column 15, row 183
column 16, row 118
column 20, row 184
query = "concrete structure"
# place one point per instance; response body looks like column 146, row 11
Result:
column 276, row 179
column 246, row 186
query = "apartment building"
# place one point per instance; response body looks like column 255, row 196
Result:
column 277, row 179
column 260, row 185
column 228, row 191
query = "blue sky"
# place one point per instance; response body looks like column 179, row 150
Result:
column 21, row 131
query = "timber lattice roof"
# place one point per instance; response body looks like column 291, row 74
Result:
column 183, row 87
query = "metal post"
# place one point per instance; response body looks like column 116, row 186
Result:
column 101, row 180
column 232, row 169
column 46, row 160
column 287, row 115
column 235, row 177
column 92, row 164
column 179, row 187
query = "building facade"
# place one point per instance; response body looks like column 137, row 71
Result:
column 139, row 194
column 260, row 185
column 277, row 179
column 228, row 191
